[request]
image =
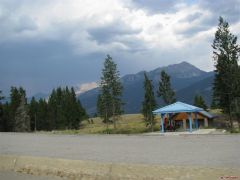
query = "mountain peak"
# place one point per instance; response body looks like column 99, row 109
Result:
column 180, row 70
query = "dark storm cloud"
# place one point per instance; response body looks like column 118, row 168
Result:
column 111, row 32
column 229, row 9
column 39, row 66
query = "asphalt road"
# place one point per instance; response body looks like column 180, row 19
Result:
column 199, row 150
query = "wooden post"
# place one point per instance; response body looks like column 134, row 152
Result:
column 184, row 124
column 205, row 122
column 190, row 121
column 162, row 123
column 196, row 120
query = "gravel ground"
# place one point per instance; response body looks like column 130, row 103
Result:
column 199, row 150
column 9, row 175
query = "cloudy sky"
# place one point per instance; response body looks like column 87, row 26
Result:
column 44, row 44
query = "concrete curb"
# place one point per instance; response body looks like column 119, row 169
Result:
column 77, row 169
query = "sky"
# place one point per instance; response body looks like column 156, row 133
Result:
column 45, row 44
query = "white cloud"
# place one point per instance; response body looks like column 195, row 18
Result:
column 51, row 19
column 139, row 34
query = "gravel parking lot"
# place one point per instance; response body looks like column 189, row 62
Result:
column 199, row 150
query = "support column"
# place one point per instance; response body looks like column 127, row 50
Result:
column 190, row 121
column 169, row 119
column 196, row 120
column 162, row 122
column 205, row 122
column 184, row 124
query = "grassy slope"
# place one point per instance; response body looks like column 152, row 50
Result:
column 127, row 124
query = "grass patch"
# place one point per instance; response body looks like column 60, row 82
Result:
column 235, row 130
column 127, row 124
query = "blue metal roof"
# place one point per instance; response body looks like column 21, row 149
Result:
column 207, row 114
column 177, row 107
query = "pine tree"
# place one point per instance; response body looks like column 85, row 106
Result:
column 16, row 95
column 149, row 103
column 2, row 128
column 42, row 120
column 65, row 110
column 165, row 91
column 6, row 117
column 214, row 104
column 100, row 109
column 225, row 53
column 33, row 108
column 22, row 119
column 82, row 112
column 199, row 102
column 111, row 91
column 52, row 109
column 1, row 97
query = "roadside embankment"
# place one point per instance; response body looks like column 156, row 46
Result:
column 77, row 169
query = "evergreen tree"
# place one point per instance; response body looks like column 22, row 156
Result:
column 199, row 102
column 165, row 91
column 15, row 99
column 1, row 97
column 52, row 109
column 16, row 94
column 2, row 128
column 149, row 103
column 42, row 120
column 6, row 117
column 100, row 109
column 61, row 120
column 65, row 110
column 214, row 104
column 33, row 108
column 76, row 112
column 226, row 53
column 22, row 119
column 111, row 91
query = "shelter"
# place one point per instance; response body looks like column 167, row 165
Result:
column 184, row 114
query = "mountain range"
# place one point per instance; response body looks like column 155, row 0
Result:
column 186, row 79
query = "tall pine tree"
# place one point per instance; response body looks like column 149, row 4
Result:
column 149, row 103
column 16, row 96
column 165, row 90
column 33, row 108
column 225, row 53
column 22, row 119
column 6, row 117
column 2, row 128
column 111, row 91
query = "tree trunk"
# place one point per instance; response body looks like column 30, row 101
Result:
column 151, row 121
column 106, row 121
column 114, row 119
column 230, row 120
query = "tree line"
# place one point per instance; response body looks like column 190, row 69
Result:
column 62, row 110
